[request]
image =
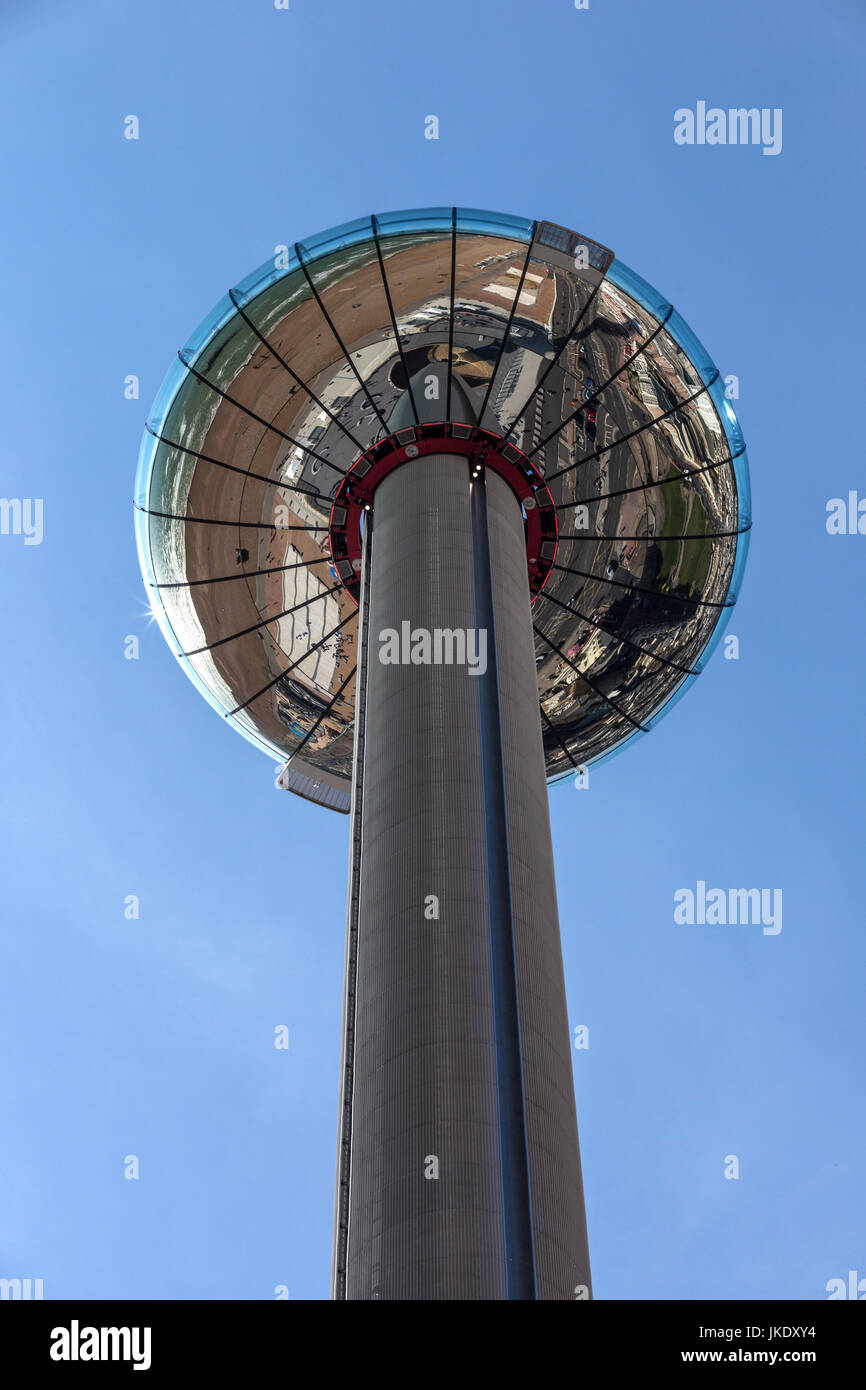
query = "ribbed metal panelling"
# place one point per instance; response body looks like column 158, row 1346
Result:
column 425, row 1078
column 559, row 1227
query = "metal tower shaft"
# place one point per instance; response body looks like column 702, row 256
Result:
column 459, row 1168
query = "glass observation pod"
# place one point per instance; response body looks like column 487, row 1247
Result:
column 605, row 412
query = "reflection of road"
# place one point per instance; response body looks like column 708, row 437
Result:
column 297, row 632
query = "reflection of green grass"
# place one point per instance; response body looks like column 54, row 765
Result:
column 688, row 563
column 675, row 516
column 696, row 561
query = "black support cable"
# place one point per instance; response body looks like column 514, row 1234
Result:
column 553, row 729
column 645, row 487
column 451, row 312
column 593, row 397
column 500, row 354
column 293, row 374
column 259, row 526
column 632, row 434
column 244, row 472
column 614, row 706
column 374, row 222
column 326, row 711
column 243, row 574
column 592, row 536
column 305, row 448
column 342, row 346
column 264, row 622
column 618, row 637
column 572, row 334
column 265, row 688
column 635, row 589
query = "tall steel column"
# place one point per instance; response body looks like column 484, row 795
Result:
column 459, row 1175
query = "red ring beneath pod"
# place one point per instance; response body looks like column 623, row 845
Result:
column 480, row 447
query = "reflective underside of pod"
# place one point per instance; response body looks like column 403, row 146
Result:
column 566, row 355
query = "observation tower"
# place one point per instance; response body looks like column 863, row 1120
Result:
column 435, row 508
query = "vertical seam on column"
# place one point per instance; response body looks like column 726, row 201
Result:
column 344, row 1164
column 513, row 1147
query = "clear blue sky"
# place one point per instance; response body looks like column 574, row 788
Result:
column 155, row 1037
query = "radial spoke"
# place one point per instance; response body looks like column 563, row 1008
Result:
column 590, row 400
column 221, row 521
column 451, row 312
column 635, row 589
column 572, row 334
column 553, row 729
column 244, row 472
column 585, row 678
column 293, row 374
column 305, row 448
column 704, row 536
column 505, row 336
column 618, row 637
column 342, row 346
column 645, row 487
column 275, row 617
column 326, row 711
column 242, row 574
column 299, row 662
column 647, row 425
column 374, row 222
